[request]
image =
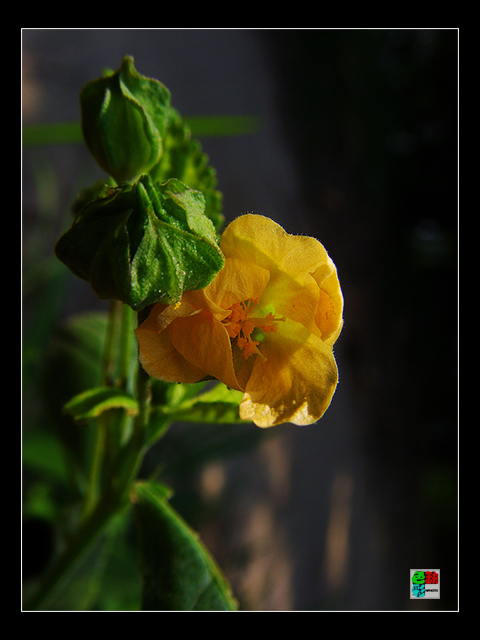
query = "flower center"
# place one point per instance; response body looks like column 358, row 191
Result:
column 249, row 331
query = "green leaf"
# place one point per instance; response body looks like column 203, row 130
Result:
column 72, row 365
column 220, row 393
column 43, row 454
column 183, row 158
column 142, row 243
column 53, row 133
column 223, row 125
column 178, row 251
column 40, row 501
column 82, row 582
column 179, row 574
column 92, row 403
column 203, row 126
column 217, row 406
column 120, row 588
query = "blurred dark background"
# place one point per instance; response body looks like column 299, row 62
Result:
column 357, row 147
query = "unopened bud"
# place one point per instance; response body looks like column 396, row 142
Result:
column 123, row 118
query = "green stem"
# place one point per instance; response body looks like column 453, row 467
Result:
column 113, row 425
column 97, row 456
column 125, row 346
column 117, row 424
column 104, row 500
column 101, row 454
column 108, row 362
column 138, row 441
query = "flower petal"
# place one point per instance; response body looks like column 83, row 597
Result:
column 204, row 342
column 159, row 357
column 291, row 260
column 259, row 239
column 237, row 281
column 329, row 313
column 295, row 383
column 294, row 300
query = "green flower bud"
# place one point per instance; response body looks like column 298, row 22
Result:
column 123, row 118
column 143, row 243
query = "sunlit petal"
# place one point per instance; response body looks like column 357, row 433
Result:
column 259, row 239
column 295, row 383
column 237, row 281
column 329, row 313
column 291, row 260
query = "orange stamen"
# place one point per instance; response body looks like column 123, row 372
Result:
column 240, row 327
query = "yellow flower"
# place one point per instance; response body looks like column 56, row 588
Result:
column 265, row 326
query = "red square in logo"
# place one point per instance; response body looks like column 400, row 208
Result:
column 431, row 577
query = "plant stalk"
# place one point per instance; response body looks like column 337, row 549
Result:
column 113, row 470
